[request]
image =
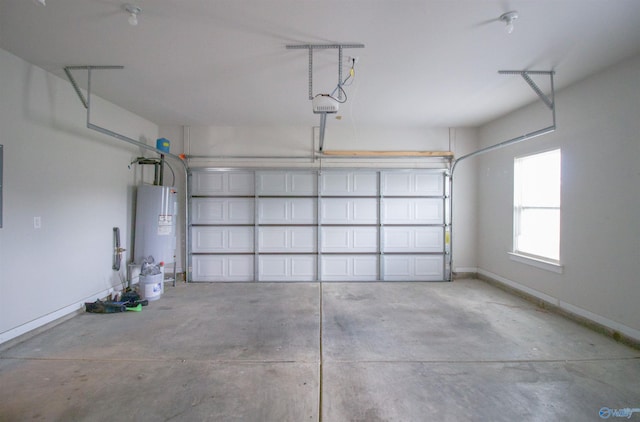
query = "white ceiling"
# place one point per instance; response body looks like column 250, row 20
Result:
column 426, row 63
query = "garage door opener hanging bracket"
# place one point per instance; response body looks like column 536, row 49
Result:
column 323, row 110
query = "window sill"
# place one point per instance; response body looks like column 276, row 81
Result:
column 538, row 263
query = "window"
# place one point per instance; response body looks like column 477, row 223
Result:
column 537, row 206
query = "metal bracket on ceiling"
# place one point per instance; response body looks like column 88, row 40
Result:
column 548, row 100
column 68, row 69
column 525, row 75
column 86, row 102
column 312, row 47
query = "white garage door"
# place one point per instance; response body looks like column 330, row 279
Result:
column 306, row 225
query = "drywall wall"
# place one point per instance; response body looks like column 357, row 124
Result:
column 598, row 132
column 76, row 181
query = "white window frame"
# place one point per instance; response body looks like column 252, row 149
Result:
column 548, row 261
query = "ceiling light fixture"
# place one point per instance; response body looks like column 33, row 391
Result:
column 42, row 2
column 133, row 13
column 508, row 19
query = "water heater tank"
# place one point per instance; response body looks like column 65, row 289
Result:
column 156, row 215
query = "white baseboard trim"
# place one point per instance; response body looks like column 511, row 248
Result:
column 625, row 330
column 613, row 325
column 535, row 293
column 471, row 270
column 51, row 317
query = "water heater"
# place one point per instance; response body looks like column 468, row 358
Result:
column 156, row 215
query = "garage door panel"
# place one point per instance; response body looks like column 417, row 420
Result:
column 240, row 239
column 240, row 211
column 365, row 183
column 336, row 183
column 222, row 211
column 365, row 267
column 222, row 183
column 241, row 183
column 429, row 211
column 207, row 184
column 240, row 268
column 412, row 184
column 397, row 238
column 413, row 211
column 287, row 267
column 397, row 266
column 335, row 239
column 222, row 267
column 208, row 268
column 336, row 211
column 273, row 211
column 413, row 268
column 288, row 239
column 349, row 183
column 303, row 210
column 272, row 239
column 272, row 183
column 304, row 239
column 304, row 267
column 349, row 267
column 287, row 211
column 273, row 268
column 349, row 239
column 303, row 183
column 349, row 211
column 207, row 210
column 429, row 267
column 287, row 183
column 429, row 184
column 205, row 239
column 413, row 239
column 222, row 239
column 429, row 239
column 365, row 211
column 365, row 239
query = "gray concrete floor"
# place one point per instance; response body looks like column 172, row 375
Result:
column 461, row 351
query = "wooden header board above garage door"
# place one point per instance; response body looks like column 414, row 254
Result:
column 309, row 225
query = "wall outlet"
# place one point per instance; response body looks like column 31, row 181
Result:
column 37, row 222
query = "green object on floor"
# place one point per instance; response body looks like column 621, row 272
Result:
column 137, row 308
column 100, row 307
